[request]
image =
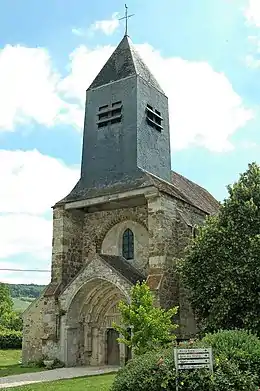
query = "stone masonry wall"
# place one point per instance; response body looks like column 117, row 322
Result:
column 170, row 229
column 189, row 217
column 112, row 243
column 67, row 244
column 98, row 224
column 33, row 331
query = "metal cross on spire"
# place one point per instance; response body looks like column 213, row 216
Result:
column 126, row 17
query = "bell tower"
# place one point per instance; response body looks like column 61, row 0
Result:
column 126, row 127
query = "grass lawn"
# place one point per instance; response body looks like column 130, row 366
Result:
column 91, row 383
column 9, row 363
column 20, row 305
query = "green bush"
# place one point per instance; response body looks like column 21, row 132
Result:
column 238, row 346
column 228, row 377
column 236, row 367
column 10, row 339
column 145, row 373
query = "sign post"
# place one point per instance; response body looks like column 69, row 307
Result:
column 187, row 359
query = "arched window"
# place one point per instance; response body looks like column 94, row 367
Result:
column 128, row 244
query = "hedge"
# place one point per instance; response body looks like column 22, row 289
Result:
column 236, row 367
column 10, row 339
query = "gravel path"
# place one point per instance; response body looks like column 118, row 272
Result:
column 54, row 374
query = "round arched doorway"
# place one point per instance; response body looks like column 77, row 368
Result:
column 90, row 337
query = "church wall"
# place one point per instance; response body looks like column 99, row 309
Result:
column 98, row 224
column 194, row 217
column 112, row 243
column 33, row 331
column 67, row 244
column 170, row 229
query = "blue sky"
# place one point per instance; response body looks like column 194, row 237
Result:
column 205, row 54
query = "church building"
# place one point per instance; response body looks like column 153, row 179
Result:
column 128, row 219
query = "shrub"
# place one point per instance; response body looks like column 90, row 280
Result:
column 236, row 356
column 228, row 377
column 10, row 339
column 146, row 373
column 238, row 346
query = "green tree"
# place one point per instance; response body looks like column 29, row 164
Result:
column 6, row 303
column 9, row 319
column 151, row 326
column 14, row 321
column 222, row 267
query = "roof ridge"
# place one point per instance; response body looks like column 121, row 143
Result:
column 131, row 47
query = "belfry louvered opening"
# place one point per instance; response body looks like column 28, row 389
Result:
column 154, row 118
column 109, row 114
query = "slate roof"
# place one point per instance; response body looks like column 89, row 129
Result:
column 123, row 267
column 187, row 191
column 125, row 61
column 196, row 195
column 180, row 188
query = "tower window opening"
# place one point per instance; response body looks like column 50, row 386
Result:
column 118, row 103
column 116, row 112
column 103, row 115
column 128, row 244
column 103, row 107
column 154, row 118
column 103, row 124
column 110, row 114
column 115, row 121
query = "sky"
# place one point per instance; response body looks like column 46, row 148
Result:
column 204, row 53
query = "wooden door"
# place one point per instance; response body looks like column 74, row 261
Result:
column 113, row 354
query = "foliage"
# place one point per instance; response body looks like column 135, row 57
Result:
column 13, row 320
column 227, row 249
column 25, row 291
column 239, row 346
column 10, row 339
column 151, row 326
column 155, row 370
column 228, row 377
column 145, row 373
column 9, row 319
column 6, row 304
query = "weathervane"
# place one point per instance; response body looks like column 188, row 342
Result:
column 126, row 17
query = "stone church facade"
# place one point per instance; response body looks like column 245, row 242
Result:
column 128, row 219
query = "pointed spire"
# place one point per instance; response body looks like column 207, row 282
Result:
column 125, row 61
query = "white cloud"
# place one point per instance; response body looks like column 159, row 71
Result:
column 252, row 62
column 204, row 108
column 252, row 12
column 107, row 26
column 25, row 234
column 30, row 184
column 28, row 90
column 78, row 31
